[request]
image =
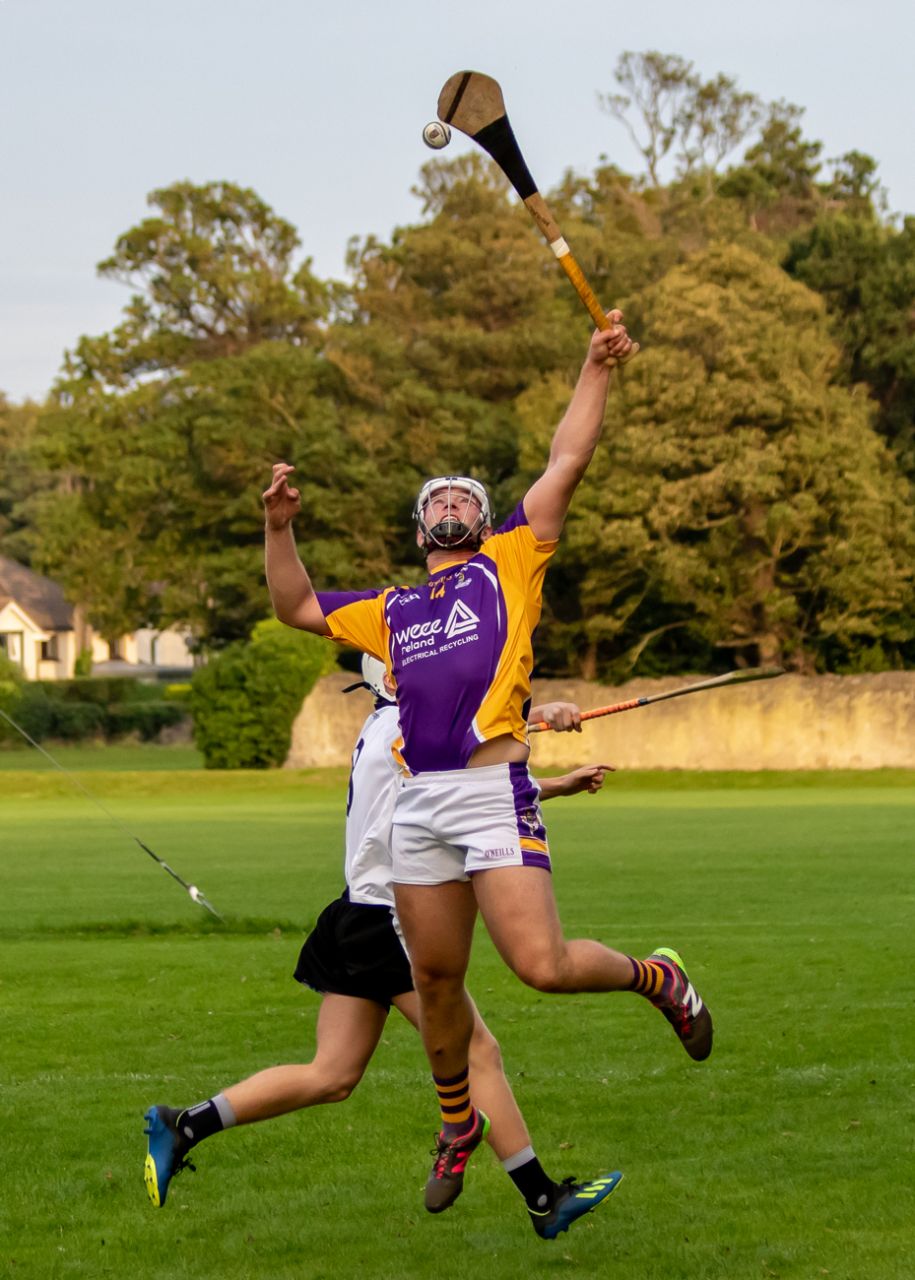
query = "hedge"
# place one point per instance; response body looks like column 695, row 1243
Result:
column 245, row 699
column 72, row 710
column 146, row 718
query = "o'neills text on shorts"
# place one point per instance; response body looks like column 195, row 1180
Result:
column 498, row 853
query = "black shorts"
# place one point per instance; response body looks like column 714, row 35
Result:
column 354, row 950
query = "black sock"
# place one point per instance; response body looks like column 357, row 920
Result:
column 205, row 1119
column 539, row 1191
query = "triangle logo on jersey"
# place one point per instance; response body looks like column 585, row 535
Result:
column 460, row 619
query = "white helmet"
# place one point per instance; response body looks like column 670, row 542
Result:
column 373, row 675
column 452, row 533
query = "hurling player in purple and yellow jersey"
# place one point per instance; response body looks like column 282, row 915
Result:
column 468, row 833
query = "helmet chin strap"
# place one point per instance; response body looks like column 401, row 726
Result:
column 449, row 535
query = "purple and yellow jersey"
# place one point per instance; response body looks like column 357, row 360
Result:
column 458, row 647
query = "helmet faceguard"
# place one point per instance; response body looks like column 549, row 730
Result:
column 454, row 532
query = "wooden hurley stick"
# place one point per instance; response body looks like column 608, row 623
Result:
column 717, row 682
column 473, row 103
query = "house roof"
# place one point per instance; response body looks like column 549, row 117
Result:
column 43, row 599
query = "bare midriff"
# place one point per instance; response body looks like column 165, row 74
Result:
column 502, row 750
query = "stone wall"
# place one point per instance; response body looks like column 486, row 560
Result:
column 794, row 722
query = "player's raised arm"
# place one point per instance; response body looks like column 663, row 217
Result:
column 576, row 437
column 293, row 596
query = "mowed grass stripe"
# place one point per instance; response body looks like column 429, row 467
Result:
column 786, row 1155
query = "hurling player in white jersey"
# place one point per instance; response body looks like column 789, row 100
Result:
column 355, row 959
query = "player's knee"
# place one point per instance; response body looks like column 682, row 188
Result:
column 337, row 1088
column 542, row 971
column 436, row 983
column 331, row 1081
column 485, row 1053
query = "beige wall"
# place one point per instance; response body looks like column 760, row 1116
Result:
column 795, row 722
column 164, row 648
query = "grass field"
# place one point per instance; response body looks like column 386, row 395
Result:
column 788, row 1154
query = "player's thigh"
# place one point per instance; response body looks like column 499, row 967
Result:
column 347, row 1033
column 437, row 922
column 519, row 910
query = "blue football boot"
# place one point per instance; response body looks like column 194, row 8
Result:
column 166, row 1152
column 573, row 1201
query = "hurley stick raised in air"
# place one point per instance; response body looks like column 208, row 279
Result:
column 473, row 103
column 717, row 682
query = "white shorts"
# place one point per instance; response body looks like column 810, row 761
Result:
column 449, row 825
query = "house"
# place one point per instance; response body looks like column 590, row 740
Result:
column 44, row 634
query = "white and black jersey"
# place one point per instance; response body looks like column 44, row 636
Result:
column 354, row 948
column 373, row 784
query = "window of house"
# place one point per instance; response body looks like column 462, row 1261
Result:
column 49, row 650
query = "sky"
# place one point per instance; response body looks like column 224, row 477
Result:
column 320, row 106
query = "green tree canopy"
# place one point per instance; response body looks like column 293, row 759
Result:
column 741, row 503
column 451, row 321
column 216, row 277
column 19, row 479
column 161, row 521
column 866, row 273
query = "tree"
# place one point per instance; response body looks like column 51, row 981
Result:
column 699, row 122
column 854, row 183
column 216, row 277
column 18, row 479
column 449, row 322
column 778, row 175
column 742, row 505
column 865, row 271
column 159, row 435
column 721, row 518
column 161, row 523
column 657, row 87
column 715, row 119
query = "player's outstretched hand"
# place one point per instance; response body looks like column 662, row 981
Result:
column 612, row 346
column 281, row 502
column 562, row 717
column 589, row 777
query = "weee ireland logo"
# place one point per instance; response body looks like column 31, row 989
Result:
column 460, row 620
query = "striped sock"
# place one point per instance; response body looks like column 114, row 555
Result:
column 454, row 1101
column 650, row 978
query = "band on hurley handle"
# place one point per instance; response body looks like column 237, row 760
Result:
column 539, row 210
